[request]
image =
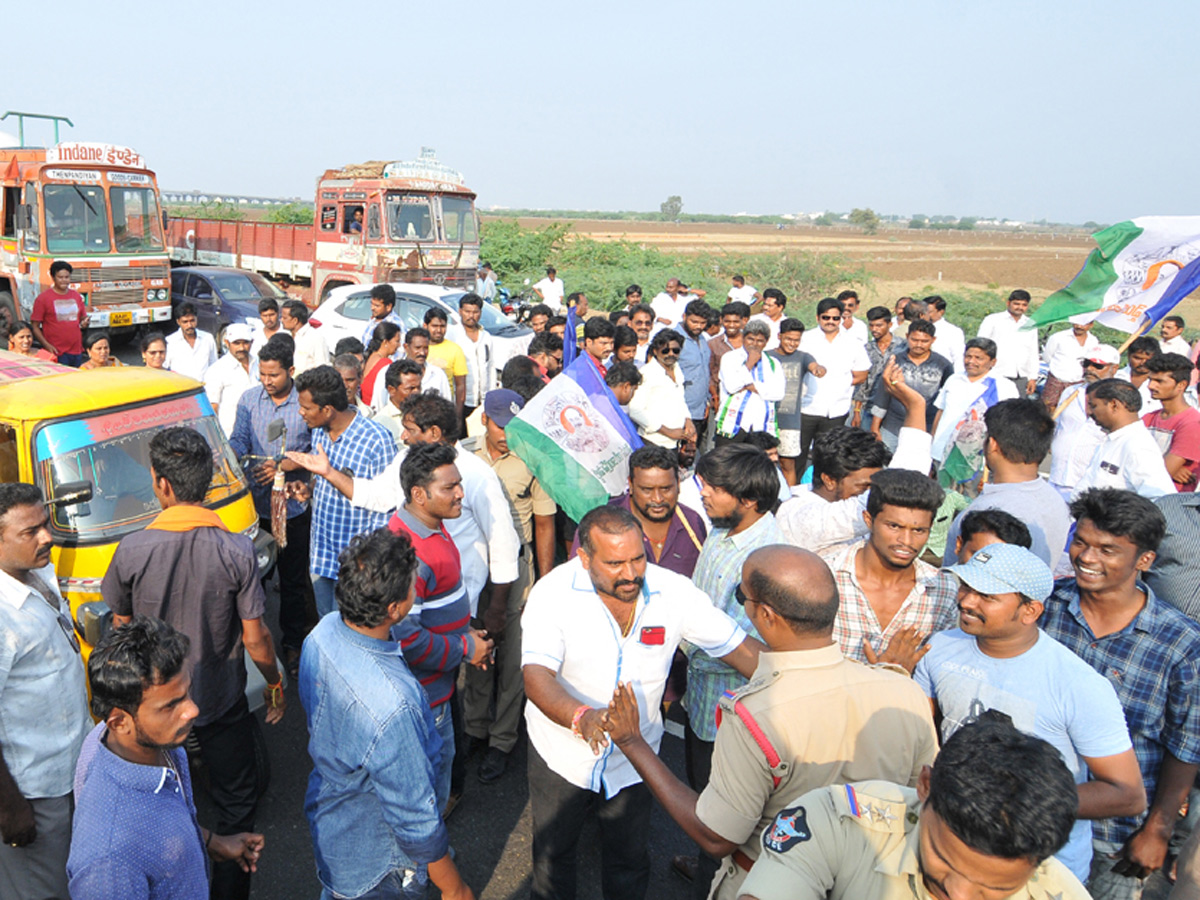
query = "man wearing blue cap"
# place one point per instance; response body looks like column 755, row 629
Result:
column 999, row 659
column 533, row 515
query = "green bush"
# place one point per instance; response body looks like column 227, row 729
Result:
column 228, row 211
column 291, row 214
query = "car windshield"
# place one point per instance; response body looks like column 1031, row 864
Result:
column 76, row 218
column 136, row 223
column 492, row 320
column 458, row 217
column 111, row 451
column 410, row 217
column 243, row 286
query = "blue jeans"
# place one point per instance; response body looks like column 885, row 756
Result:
column 398, row 884
column 443, row 719
column 74, row 360
column 323, row 594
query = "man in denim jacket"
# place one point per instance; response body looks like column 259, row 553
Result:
column 371, row 800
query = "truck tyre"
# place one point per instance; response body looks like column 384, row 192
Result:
column 8, row 309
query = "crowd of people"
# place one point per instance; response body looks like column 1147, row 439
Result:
column 909, row 660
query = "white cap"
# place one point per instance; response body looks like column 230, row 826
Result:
column 238, row 331
column 1105, row 355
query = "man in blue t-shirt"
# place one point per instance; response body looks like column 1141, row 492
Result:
column 999, row 659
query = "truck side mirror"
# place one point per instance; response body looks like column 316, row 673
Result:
column 165, row 219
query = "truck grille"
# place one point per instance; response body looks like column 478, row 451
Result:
column 119, row 273
column 110, row 298
column 451, row 278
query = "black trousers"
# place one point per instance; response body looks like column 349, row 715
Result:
column 810, row 427
column 560, row 810
column 297, row 609
column 227, row 744
column 697, row 756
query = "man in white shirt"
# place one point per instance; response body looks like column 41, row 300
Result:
column 1016, row 349
column 1128, row 458
column 383, row 309
column 1076, row 435
column 843, row 359
column 1063, row 353
column 230, row 376
column 669, row 304
column 951, row 342
column 310, row 350
column 774, row 302
column 265, row 328
column 1136, row 373
column 602, row 618
column 416, row 348
column 551, row 289
column 1173, row 340
column 855, row 327
column 961, row 392
column 476, row 345
column 189, row 351
column 742, row 292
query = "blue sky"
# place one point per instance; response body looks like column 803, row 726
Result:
column 1064, row 111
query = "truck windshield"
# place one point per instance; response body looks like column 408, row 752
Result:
column 111, row 451
column 458, row 216
column 76, row 218
column 410, row 217
column 136, row 223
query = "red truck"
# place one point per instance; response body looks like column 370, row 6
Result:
column 405, row 221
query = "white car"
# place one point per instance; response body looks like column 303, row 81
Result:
column 347, row 310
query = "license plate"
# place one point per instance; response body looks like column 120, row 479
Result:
column 120, row 318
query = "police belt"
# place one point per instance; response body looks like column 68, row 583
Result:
column 743, row 861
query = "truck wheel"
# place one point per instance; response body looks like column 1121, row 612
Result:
column 8, row 309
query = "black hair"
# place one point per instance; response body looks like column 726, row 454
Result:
column 598, row 327
column 610, row 520
column 651, row 456
column 777, row 295
column 645, row 308
column 384, row 331
column 282, row 336
column 279, row 351
column 1022, row 429
column 697, row 308
column 936, row 301
column 736, row 308
column 540, row 309
column 840, row 451
column 829, row 303
column 625, row 372
column 414, row 333
column 741, row 278
column 140, row 654
column 185, row 460
column 633, row 289
column 555, row 321
column 470, row 299
column 1143, row 344
column 435, row 312
column 987, row 345
column 1020, row 294
column 268, row 304
column 384, row 293
column 1003, row 525
column 804, row 613
column 1122, row 514
column 763, row 440
column 401, row 367
column 324, row 384
column 430, row 408
column 744, row 471
column 1117, row 389
column 185, row 309
column 904, row 489
column 517, row 367
column 545, row 342
column 615, row 316
column 348, row 345
column 18, row 493
column 1175, row 320
column 664, row 337
column 1178, row 366
column 875, row 313
column 421, row 461
column 374, row 571
column 789, row 325
column 94, row 336
column 529, row 385
column 624, row 336
column 297, row 310
column 923, row 326
column 847, row 295
column 58, row 265
column 1003, row 793
column 573, row 297
column 147, row 339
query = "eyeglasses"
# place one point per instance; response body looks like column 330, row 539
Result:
column 1092, row 364
column 740, row 596
column 670, row 351
column 830, row 318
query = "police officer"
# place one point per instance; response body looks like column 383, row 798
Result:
column 809, row 717
column 982, row 823
column 533, row 515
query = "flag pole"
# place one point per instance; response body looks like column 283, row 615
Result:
column 1137, row 334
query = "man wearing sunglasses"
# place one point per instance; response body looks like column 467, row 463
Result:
column 43, row 703
column 808, row 718
column 843, row 359
column 1076, row 436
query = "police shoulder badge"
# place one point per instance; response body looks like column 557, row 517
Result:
column 789, row 828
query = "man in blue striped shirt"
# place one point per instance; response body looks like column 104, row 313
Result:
column 1150, row 652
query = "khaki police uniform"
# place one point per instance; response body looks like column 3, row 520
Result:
column 829, row 720
column 860, row 842
column 526, row 498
